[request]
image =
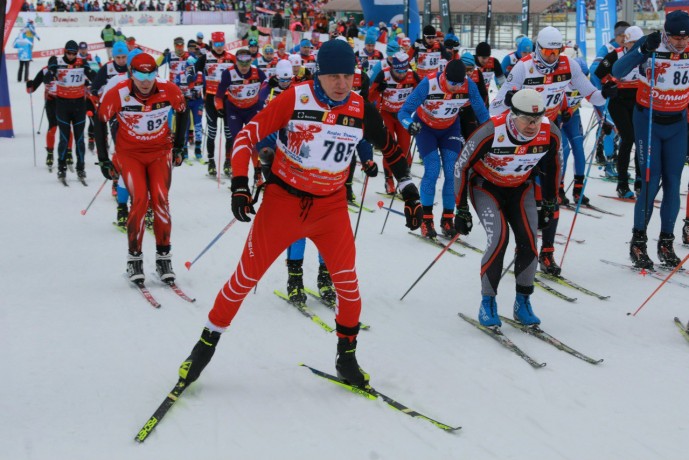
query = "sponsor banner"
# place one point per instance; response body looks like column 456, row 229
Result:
column 12, row 8
column 581, row 27
column 55, row 52
column 100, row 19
column 208, row 17
column 606, row 17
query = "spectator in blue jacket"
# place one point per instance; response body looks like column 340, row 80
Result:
column 24, row 52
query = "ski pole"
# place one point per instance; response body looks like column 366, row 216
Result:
column 648, row 140
column 667, row 278
column 220, row 163
column 392, row 198
column 450, row 243
column 41, row 122
column 381, row 205
column 33, row 129
column 581, row 197
column 84, row 211
column 361, row 206
column 222, row 232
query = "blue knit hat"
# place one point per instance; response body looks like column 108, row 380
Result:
column 677, row 23
column 305, row 43
column 370, row 39
column 468, row 59
column 119, row 49
column 392, row 48
column 335, row 57
column 131, row 55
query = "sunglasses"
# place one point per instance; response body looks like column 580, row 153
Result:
column 547, row 52
column 144, row 76
column 219, row 44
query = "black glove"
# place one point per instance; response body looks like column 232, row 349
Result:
column 565, row 116
column 52, row 64
column 178, row 155
column 383, row 85
column 508, row 97
column 413, row 211
column 609, row 90
column 607, row 128
column 546, row 214
column 108, row 170
column 241, row 199
column 463, row 221
column 166, row 54
column 370, row 168
column 651, row 43
column 414, row 128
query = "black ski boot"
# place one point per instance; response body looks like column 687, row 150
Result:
column 122, row 215
column 346, row 364
column 564, row 201
column 685, row 232
column 227, row 168
column 325, row 286
column 92, row 144
column 135, row 267
column 351, row 198
column 447, row 223
column 68, row 158
column 547, row 263
column 600, row 155
column 295, row 281
column 200, row 356
column 81, row 174
column 427, row 225
column 666, row 253
column 623, row 190
column 211, row 167
column 49, row 158
column 164, row 264
column 61, row 169
column 578, row 187
column 638, row 252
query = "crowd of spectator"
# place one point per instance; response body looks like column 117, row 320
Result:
column 289, row 9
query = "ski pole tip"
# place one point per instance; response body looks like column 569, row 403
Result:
column 187, row 264
column 83, row 212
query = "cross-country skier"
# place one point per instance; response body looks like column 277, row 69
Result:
column 496, row 170
column 320, row 123
column 427, row 52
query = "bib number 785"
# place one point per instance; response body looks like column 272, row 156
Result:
column 342, row 151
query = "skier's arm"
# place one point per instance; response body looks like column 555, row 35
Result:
column 365, row 85
column 37, row 80
column 481, row 87
column 632, row 58
column 514, row 81
column 225, row 80
column 474, row 150
column 499, row 74
column 603, row 71
column 584, row 85
column 365, row 151
column 551, row 166
column 378, row 135
column 200, row 64
column 477, row 102
column 412, row 103
column 100, row 80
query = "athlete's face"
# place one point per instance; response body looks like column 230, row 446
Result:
column 628, row 45
column 527, row 125
column 337, row 86
column 679, row 42
column 144, row 86
column 482, row 60
column 370, row 48
column 121, row 60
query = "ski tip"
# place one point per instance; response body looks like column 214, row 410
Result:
column 187, row 264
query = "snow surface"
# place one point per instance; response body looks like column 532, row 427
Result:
column 86, row 360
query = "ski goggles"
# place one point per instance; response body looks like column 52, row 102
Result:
column 284, row 81
column 218, row 44
column 144, row 76
column 547, row 52
column 179, row 45
column 530, row 120
column 244, row 59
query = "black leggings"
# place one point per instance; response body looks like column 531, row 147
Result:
column 71, row 116
column 621, row 110
column 25, row 66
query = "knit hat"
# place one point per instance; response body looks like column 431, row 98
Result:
column 119, row 49
column 83, row 46
column 132, row 54
column 144, row 62
column 483, row 49
column 400, row 62
column 253, row 42
column 192, row 42
column 468, row 59
column 335, row 57
column 455, row 71
column 527, row 102
column 632, row 34
column 370, row 39
column 677, row 23
column 71, row 46
column 392, row 48
column 429, row 30
column 305, row 43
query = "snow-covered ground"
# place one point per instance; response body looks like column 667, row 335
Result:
column 86, row 360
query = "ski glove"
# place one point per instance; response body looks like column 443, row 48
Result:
column 546, row 214
column 508, row 97
column 607, row 128
column 609, row 90
column 463, row 221
column 108, row 169
column 413, row 211
column 370, row 168
column 414, row 128
column 178, row 155
column 29, row 86
column 651, row 43
column 565, row 116
column 242, row 204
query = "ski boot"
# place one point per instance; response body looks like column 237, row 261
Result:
column 488, row 312
column 68, row 158
column 325, row 286
column 346, row 364
column 197, row 150
column 389, row 185
column 61, row 170
column 211, row 167
column 638, row 252
column 49, row 158
column 578, row 187
column 685, row 232
column 200, row 356
column 564, row 201
column 122, row 215
column 81, row 174
column 351, row 198
column 427, row 225
column 610, row 171
column 148, row 219
column 666, row 253
column 447, row 224
column 135, row 267
column 91, row 144
column 523, row 311
column 227, row 168
column 600, row 155
column 295, row 281
column 547, row 263
column 164, row 264
column 623, row 191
